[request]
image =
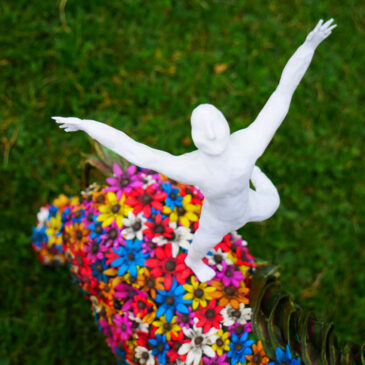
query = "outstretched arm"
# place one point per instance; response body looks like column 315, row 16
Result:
column 259, row 134
column 180, row 168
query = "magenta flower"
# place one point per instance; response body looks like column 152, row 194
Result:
column 124, row 326
column 123, row 181
column 186, row 319
column 112, row 237
column 229, row 275
column 94, row 251
column 216, row 360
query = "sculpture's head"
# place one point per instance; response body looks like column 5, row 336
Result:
column 209, row 129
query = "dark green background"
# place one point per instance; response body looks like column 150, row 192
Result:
column 142, row 67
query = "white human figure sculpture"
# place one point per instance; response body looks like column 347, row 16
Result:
column 223, row 163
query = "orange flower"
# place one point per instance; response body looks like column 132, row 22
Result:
column 77, row 235
column 259, row 356
column 230, row 294
column 149, row 284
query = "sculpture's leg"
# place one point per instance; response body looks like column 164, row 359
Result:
column 264, row 200
column 203, row 242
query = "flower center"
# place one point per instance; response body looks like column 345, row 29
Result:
column 218, row 258
column 180, row 210
column 94, row 248
column 199, row 293
column 167, row 326
column 236, row 313
column 115, row 208
column 219, row 342
column 145, row 355
column 141, row 304
column 159, row 228
column 173, row 196
column 146, row 199
column 113, row 233
column 78, row 214
column 160, row 347
column 78, row 234
column 198, row 340
column 98, row 229
column 137, row 225
column 229, row 291
column 130, row 256
column 124, row 181
column 99, row 267
column 210, row 313
column 185, row 318
column 123, row 327
column 170, row 265
column 256, row 359
column 229, row 273
column 170, row 300
column 90, row 217
column 100, row 199
column 151, row 245
column 239, row 330
column 150, row 283
column 238, row 346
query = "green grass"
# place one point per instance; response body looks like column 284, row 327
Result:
column 142, row 67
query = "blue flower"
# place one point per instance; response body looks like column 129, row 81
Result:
column 159, row 347
column 173, row 198
column 98, row 269
column 39, row 236
column 131, row 256
column 240, row 346
column 171, row 301
column 285, row 357
column 52, row 211
column 96, row 230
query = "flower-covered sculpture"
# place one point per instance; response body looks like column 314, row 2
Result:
column 222, row 165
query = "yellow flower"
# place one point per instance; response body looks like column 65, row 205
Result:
column 167, row 328
column 222, row 342
column 198, row 292
column 184, row 214
column 60, row 201
column 113, row 210
column 54, row 225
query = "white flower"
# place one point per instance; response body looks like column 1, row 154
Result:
column 144, row 356
column 238, row 237
column 142, row 326
column 217, row 257
column 232, row 315
column 148, row 180
column 200, row 344
column 181, row 237
column 133, row 226
column 42, row 217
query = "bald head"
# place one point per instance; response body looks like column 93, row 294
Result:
column 209, row 129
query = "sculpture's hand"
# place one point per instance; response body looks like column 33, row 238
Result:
column 69, row 124
column 320, row 33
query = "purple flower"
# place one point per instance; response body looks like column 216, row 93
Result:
column 229, row 275
column 94, row 251
column 124, row 326
column 126, row 293
column 186, row 319
column 123, row 181
column 216, row 360
column 112, row 237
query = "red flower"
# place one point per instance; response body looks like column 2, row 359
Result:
column 145, row 199
column 169, row 267
column 225, row 244
column 158, row 227
column 209, row 316
column 175, row 343
column 244, row 258
column 141, row 306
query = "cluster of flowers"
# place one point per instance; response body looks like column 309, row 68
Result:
column 126, row 244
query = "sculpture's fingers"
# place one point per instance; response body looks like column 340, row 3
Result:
column 57, row 119
column 318, row 25
column 332, row 27
column 327, row 24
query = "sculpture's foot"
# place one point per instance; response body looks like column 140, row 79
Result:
column 202, row 271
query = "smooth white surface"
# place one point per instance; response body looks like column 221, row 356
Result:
column 223, row 163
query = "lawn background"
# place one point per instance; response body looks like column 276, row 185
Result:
column 142, row 67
